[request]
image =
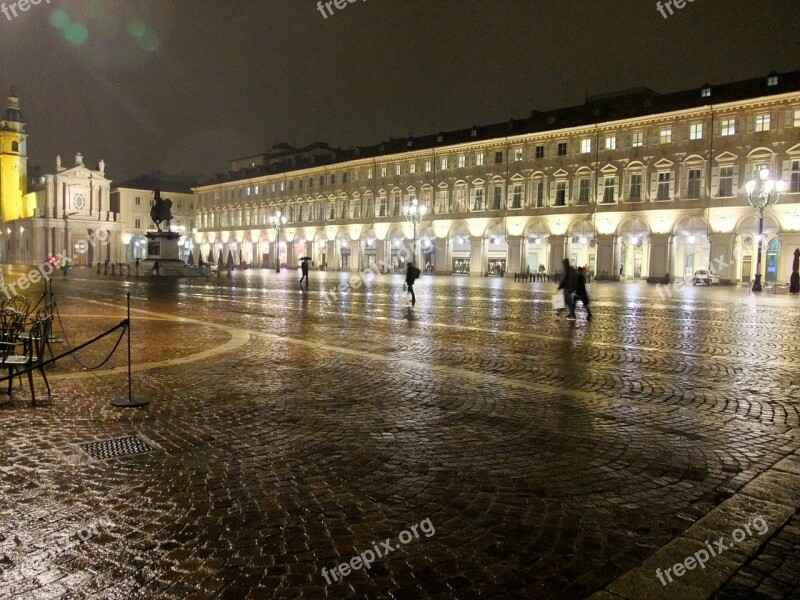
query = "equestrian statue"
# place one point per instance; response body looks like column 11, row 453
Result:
column 161, row 210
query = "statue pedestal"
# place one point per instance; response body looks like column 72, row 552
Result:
column 162, row 255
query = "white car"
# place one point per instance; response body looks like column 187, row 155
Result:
column 706, row 276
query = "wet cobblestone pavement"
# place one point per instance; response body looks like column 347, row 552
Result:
column 291, row 433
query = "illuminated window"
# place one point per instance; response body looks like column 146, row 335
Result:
column 637, row 139
column 609, row 190
column 664, row 181
column 693, row 184
column 611, row 142
column 696, row 131
column 728, row 127
column 586, row 145
column 635, row 191
column 762, row 123
column 665, row 135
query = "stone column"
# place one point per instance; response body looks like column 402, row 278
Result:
column 380, row 254
column 333, row 260
column 444, row 255
column 660, row 257
column 607, row 267
column 476, row 256
column 557, row 253
column 515, row 254
column 723, row 260
column 291, row 261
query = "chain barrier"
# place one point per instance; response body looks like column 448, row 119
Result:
column 73, row 353
column 123, row 325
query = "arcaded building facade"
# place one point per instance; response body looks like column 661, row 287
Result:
column 635, row 185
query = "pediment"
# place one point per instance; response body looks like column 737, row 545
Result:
column 560, row 173
column 726, row 157
column 609, row 168
column 663, row 164
column 81, row 172
column 517, row 177
column 794, row 150
column 693, row 158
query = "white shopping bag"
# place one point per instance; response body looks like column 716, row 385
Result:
column 558, row 301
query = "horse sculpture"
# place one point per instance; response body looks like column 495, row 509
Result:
column 161, row 210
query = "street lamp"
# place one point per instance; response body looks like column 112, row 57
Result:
column 761, row 193
column 414, row 212
column 278, row 221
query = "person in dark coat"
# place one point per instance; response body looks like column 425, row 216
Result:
column 569, row 282
column 411, row 276
column 304, row 271
column 581, row 293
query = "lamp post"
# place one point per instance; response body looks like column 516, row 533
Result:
column 761, row 193
column 277, row 221
column 414, row 212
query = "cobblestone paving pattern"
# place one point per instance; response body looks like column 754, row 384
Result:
column 551, row 457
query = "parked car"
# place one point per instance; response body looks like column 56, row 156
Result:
column 706, row 276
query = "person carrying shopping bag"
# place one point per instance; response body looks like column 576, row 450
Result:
column 569, row 282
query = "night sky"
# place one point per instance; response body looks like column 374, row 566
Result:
column 187, row 85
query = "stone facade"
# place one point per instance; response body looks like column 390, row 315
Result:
column 661, row 192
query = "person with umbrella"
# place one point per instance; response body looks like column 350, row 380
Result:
column 304, row 270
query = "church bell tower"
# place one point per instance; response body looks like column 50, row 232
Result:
column 13, row 162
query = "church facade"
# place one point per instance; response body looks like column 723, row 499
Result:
column 68, row 214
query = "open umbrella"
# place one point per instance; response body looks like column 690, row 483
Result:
column 794, row 280
column 191, row 258
column 305, row 258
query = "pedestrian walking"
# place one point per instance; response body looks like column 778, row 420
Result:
column 569, row 282
column 412, row 273
column 581, row 293
column 304, row 271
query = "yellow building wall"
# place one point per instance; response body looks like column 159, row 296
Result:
column 13, row 180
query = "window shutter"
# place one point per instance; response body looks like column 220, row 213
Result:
column 714, row 182
column 750, row 124
column 672, row 185
column 653, row 185
column 616, row 188
column 789, row 118
column 786, row 173
column 552, row 193
column 735, row 187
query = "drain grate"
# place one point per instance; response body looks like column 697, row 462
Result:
column 125, row 446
